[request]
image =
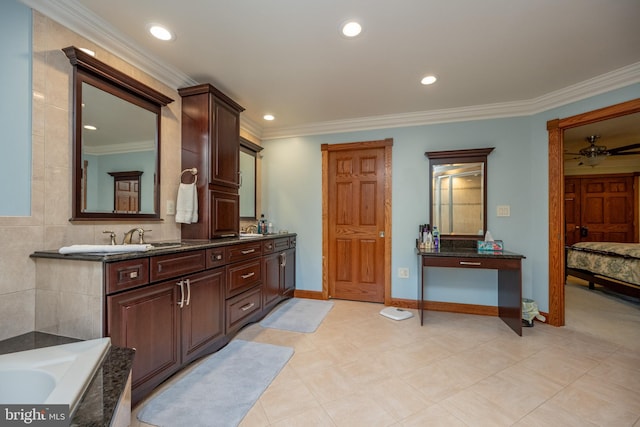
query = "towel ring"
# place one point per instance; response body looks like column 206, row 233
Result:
column 193, row 171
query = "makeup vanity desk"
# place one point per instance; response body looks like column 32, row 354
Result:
column 508, row 264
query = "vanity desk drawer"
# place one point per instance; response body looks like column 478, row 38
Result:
column 178, row 264
column 472, row 262
column 124, row 275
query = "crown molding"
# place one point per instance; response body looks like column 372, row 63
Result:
column 616, row 79
column 79, row 19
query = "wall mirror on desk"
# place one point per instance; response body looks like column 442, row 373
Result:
column 248, row 179
column 458, row 192
column 116, row 133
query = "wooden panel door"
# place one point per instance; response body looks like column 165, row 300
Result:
column 572, row 210
column 356, row 182
column 600, row 208
column 607, row 209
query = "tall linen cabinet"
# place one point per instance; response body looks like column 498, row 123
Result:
column 211, row 143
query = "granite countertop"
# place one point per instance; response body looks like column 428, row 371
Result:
column 184, row 245
column 99, row 402
column 469, row 253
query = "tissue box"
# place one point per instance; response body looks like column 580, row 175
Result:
column 494, row 245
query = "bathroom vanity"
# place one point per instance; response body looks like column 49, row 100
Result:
column 172, row 304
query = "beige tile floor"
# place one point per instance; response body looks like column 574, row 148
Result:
column 362, row 369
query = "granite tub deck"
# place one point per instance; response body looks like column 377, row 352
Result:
column 99, row 403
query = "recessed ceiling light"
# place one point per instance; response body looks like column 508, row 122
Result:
column 351, row 29
column 90, row 127
column 268, row 117
column 160, row 32
column 428, row 80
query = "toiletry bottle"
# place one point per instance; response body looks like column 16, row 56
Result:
column 436, row 238
column 429, row 239
column 262, row 225
column 270, row 228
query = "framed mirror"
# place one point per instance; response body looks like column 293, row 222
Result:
column 116, row 131
column 458, row 192
column 248, row 179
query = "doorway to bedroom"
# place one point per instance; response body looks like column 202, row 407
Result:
column 567, row 137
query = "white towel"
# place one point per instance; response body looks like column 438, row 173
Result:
column 102, row 249
column 187, row 204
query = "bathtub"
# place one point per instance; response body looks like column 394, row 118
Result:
column 51, row 375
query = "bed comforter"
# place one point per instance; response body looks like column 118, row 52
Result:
column 620, row 261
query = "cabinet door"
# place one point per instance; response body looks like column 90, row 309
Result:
column 225, row 145
column 202, row 313
column 147, row 320
column 289, row 273
column 225, row 214
column 270, row 279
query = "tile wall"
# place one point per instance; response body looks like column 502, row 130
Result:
column 48, row 227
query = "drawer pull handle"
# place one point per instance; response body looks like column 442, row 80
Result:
column 217, row 257
column 133, row 275
column 246, row 276
column 188, row 291
column 248, row 306
column 249, row 251
column 470, row 263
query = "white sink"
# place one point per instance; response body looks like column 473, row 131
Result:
column 102, row 249
column 51, row 375
column 250, row 235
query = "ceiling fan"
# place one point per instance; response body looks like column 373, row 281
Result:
column 594, row 154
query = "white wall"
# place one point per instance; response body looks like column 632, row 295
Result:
column 517, row 176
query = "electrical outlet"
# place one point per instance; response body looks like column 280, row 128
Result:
column 171, row 207
column 403, row 273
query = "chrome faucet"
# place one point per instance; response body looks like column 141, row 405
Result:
column 128, row 236
column 252, row 229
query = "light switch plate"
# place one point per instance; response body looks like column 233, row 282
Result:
column 403, row 273
column 171, row 207
column 504, row 210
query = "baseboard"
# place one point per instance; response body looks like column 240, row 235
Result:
column 301, row 293
column 453, row 307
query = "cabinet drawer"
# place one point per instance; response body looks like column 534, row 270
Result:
column 242, row 306
column 267, row 246
column 216, row 257
column 242, row 276
column 178, row 264
column 488, row 263
column 127, row 274
column 281, row 244
column 244, row 251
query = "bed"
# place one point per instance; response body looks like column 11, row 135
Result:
column 613, row 265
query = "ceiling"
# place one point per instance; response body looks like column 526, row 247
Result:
column 287, row 57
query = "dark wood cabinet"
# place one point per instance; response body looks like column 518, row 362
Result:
column 170, row 323
column 146, row 319
column 211, row 143
column 278, row 271
column 176, row 307
column 202, row 317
